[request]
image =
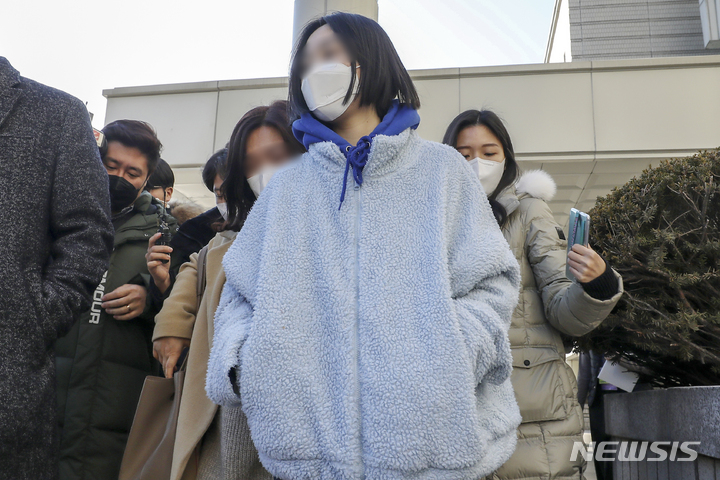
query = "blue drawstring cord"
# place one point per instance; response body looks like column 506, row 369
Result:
column 357, row 158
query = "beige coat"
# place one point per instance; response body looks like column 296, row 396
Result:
column 181, row 317
column 545, row 386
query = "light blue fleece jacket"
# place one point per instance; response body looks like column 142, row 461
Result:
column 371, row 342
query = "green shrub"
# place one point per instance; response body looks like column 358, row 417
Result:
column 661, row 232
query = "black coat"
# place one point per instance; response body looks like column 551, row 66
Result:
column 55, row 241
column 589, row 366
column 193, row 235
column 102, row 362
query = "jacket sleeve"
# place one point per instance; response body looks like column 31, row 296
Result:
column 179, row 311
column 485, row 281
column 233, row 319
column 235, row 312
column 80, row 227
column 568, row 307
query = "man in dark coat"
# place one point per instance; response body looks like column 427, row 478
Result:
column 55, row 241
column 104, row 359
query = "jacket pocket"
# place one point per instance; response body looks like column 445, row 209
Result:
column 34, row 298
column 538, row 385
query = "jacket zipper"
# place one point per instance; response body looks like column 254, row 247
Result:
column 356, row 341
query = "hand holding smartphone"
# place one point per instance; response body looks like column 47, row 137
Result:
column 578, row 232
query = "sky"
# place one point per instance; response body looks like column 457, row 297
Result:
column 83, row 47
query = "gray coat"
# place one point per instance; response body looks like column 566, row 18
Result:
column 550, row 305
column 55, row 241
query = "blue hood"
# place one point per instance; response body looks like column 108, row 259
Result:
column 308, row 130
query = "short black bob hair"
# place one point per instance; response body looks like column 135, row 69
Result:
column 383, row 77
column 163, row 177
column 490, row 120
column 213, row 167
column 136, row 134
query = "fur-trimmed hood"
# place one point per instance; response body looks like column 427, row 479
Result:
column 533, row 183
column 536, row 183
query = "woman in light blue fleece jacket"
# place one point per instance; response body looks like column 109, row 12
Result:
column 363, row 324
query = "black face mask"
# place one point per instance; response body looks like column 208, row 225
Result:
column 122, row 193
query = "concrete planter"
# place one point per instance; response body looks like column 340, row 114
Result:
column 683, row 414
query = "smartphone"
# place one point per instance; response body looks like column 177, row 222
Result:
column 165, row 231
column 163, row 227
column 578, row 232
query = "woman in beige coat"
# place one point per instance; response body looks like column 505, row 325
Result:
column 550, row 304
column 213, row 442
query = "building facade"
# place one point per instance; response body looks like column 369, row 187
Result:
column 627, row 29
column 591, row 125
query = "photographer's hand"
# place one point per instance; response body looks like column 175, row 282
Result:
column 158, row 270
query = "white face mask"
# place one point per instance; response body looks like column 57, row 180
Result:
column 222, row 207
column 324, row 89
column 489, row 172
column 259, row 181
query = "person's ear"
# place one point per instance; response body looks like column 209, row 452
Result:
column 168, row 193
